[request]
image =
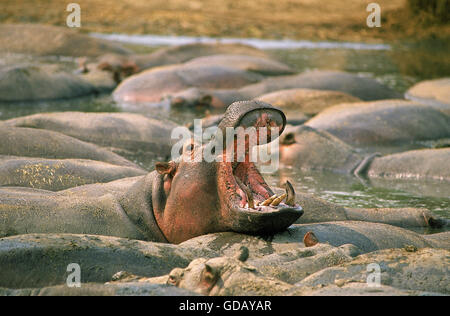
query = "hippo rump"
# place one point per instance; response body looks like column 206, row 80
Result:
column 223, row 196
column 432, row 92
column 152, row 85
column 389, row 122
column 364, row 88
column 46, row 40
column 33, row 83
column 119, row 131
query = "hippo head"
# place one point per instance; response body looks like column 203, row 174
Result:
column 195, row 97
column 192, row 197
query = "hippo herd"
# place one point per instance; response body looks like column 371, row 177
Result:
column 72, row 192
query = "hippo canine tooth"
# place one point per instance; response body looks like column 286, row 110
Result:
column 278, row 200
column 269, row 200
column 248, row 193
column 290, row 193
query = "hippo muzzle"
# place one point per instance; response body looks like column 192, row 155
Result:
column 193, row 197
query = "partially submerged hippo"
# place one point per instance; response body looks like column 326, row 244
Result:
column 33, row 83
column 361, row 87
column 36, row 143
column 307, row 101
column 182, row 53
column 121, row 131
column 260, row 65
column 59, row 174
column 178, row 201
column 152, row 85
column 40, row 40
column 435, row 93
column 309, row 149
column 409, row 268
column 389, row 122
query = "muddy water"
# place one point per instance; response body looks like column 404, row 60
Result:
column 396, row 66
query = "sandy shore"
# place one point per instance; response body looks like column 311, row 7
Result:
column 296, row 19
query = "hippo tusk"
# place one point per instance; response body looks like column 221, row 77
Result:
column 269, row 200
column 278, row 200
column 290, row 192
column 248, row 192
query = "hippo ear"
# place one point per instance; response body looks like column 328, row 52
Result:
column 165, row 167
column 209, row 275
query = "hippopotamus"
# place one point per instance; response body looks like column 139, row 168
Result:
column 59, row 174
column 119, row 131
column 390, row 122
column 183, row 53
column 40, row 40
column 408, row 268
column 32, row 83
column 364, row 88
column 181, row 199
column 152, row 85
column 307, row 101
column 260, row 65
column 36, row 143
column 415, row 164
column 432, row 92
column 309, row 149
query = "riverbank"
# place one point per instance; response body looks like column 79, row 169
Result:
column 343, row 20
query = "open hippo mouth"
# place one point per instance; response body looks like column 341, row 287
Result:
column 253, row 206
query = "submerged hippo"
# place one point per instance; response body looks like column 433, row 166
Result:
column 121, row 131
column 152, row 85
column 36, row 143
column 432, row 92
column 178, row 201
column 309, row 149
column 182, row 53
column 59, row 174
column 389, row 122
column 361, row 87
column 40, row 40
column 33, row 83
column 307, row 101
column 260, row 65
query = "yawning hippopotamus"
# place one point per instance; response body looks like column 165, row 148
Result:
column 178, row 201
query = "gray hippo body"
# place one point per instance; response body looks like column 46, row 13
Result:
column 263, row 66
column 36, row 143
column 122, row 132
column 59, row 174
column 431, row 92
column 390, row 122
column 34, row 83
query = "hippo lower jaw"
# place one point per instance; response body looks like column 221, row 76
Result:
column 253, row 207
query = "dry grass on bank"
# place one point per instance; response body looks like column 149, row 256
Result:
column 296, row 19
